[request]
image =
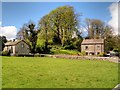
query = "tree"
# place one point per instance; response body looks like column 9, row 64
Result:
column 117, row 43
column 3, row 40
column 77, row 42
column 29, row 34
column 109, row 43
column 22, row 33
column 61, row 22
column 96, row 28
column 56, row 27
column 44, row 33
column 32, row 36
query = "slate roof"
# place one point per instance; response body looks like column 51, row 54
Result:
column 93, row 41
column 11, row 43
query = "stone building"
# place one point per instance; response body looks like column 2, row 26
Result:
column 17, row 47
column 92, row 46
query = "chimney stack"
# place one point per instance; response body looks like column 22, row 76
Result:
column 13, row 40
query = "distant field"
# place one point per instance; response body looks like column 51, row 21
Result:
column 44, row 72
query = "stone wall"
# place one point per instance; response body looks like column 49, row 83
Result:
column 21, row 48
column 111, row 59
column 93, row 48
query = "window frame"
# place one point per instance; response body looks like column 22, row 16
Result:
column 98, row 47
column 86, row 47
column 22, row 45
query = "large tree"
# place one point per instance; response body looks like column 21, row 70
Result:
column 62, row 23
column 97, row 28
column 44, row 34
column 29, row 34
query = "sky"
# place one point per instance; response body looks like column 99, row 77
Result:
column 15, row 14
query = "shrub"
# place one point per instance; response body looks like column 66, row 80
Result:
column 83, row 53
column 101, row 54
column 42, row 49
column 70, row 47
column 0, row 53
column 6, row 53
column 77, row 44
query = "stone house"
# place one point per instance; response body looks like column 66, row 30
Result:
column 17, row 47
column 92, row 46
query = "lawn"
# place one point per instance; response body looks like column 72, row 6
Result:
column 45, row 72
column 62, row 51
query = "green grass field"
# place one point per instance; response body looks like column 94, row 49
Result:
column 44, row 72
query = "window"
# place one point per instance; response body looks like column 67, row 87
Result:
column 98, row 53
column 98, row 47
column 86, row 53
column 86, row 47
column 22, row 45
column 91, row 53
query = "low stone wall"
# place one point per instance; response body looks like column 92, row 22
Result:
column 111, row 59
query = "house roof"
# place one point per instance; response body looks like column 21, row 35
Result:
column 93, row 41
column 11, row 43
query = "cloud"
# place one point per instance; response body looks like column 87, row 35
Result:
column 8, row 31
column 114, row 17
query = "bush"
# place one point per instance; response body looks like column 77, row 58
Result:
column 6, row 53
column 43, row 50
column 70, row 47
column 77, row 44
column 102, row 54
column 83, row 53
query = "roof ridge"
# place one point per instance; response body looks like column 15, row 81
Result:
column 92, row 41
column 13, row 42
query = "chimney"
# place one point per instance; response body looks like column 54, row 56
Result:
column 13, row 40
